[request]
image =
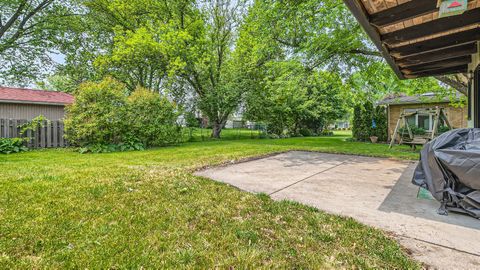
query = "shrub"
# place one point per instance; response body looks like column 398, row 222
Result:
column 107, row 148
column 104, row 119
column 443, row 129
column 357, row 121
column 363, row 118
column 415, row 130
column 326, row 133
column 191, row 120
column 152, row 119
column 381, row 130
column 97, row 115
column 273, row 136
column 12, row 145
column 367, row 121
column 306, row 132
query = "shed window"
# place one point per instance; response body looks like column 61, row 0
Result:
column 412, row 120
column 424, row 121
column 420, row 120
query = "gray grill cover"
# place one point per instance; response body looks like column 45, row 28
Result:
column 450, row 169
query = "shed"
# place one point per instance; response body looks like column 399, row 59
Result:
column 26, row 104
column 456, row 115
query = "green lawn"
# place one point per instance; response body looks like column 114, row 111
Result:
column 203, row 134
column 61, row 209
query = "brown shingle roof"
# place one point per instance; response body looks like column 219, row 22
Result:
column 417, row 99
column 22, row 95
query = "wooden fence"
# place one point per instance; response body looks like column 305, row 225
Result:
column 51, row 135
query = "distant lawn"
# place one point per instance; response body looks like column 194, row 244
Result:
column 203, row 134
column 61, row 209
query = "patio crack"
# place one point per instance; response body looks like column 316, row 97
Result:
column 440, row 245
column 306, row 178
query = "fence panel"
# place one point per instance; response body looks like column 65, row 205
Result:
column 49, row 135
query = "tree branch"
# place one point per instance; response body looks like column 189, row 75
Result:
column 11, row 21
column 365, row 52
column 455, row 82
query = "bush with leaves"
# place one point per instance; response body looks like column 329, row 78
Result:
column 357, row 121
column 97, row 115
column 294, row 98
column 12, row 145
column 363, row 118
column 362, row 122
column 414, row 129
column 381, row 121
column 151, row 118
column 104, row 118
column 442, row 129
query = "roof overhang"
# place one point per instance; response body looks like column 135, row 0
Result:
column 426, row 103
column 413, row 38
column 28, row 102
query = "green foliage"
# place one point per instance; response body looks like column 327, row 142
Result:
column 357, row 121
column 151, row 119
column 107, row 148
column 363, row 118
column 443, row 129
column 191, row 120
column 305, row 132
column 97, row 115
column 322, row 35
column 414, row 129
column 367, row 121
column 60, row 83
column 375, row 80
column 326, row 133
column 137, row 59
column 12, row 145
column 381, row 120
column 362, row 123
column 180, row 48
column 29, row 30
column 294, row 98
column 34, row 124
column 104, row 119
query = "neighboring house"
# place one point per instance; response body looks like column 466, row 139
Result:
column 235, row 121
column 340, row 124
column 457, row 116
column 26, row 104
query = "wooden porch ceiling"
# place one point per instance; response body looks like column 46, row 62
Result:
column 414, row 40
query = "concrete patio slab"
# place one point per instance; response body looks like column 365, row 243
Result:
column 374, row 191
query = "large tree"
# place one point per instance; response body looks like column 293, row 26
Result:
column 182, row 47
column 325, row 36
column 294, row 98
column 209, row 66
column 29, row 30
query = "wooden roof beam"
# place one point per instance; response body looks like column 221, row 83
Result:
column 441, row 71
column 444, row 54
column 433, row 27
column 437, row 43
column 403, row 12
column 454, row 62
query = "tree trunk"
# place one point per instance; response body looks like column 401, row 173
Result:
column 217, row 129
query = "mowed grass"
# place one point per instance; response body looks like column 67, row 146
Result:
column 61, row 209
column 204, row 134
